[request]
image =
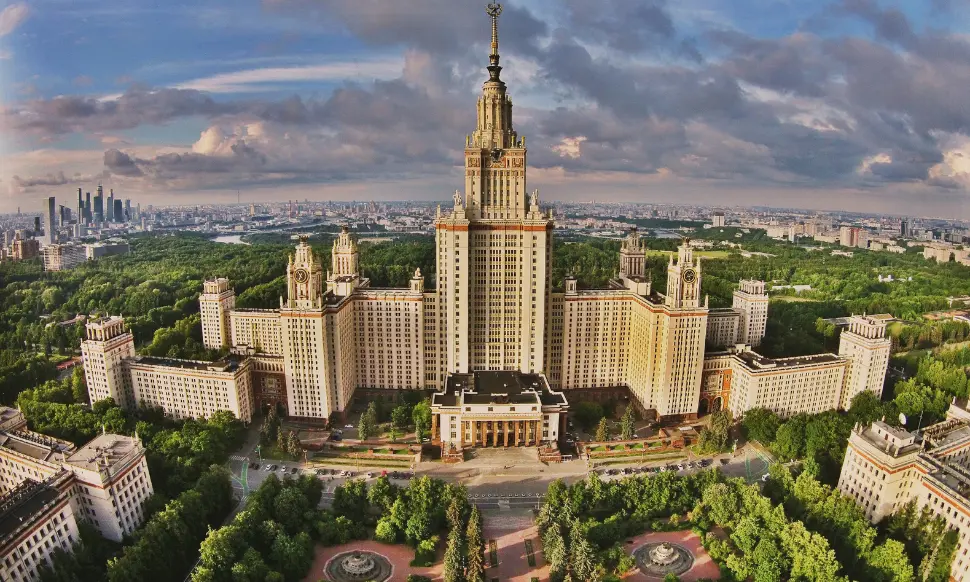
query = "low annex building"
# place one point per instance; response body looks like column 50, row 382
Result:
column 497, row 409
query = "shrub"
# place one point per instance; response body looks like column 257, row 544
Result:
column 424, row 554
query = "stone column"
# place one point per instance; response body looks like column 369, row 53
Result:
column 528, row 425
column 484, row 433
column 434, row 427
column 505, row 426
column 516, row 429
column 494, row 433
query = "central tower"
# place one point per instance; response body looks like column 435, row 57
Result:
column 494, row 247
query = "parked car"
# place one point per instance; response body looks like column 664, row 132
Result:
column 348, row 426
column 271, row 468
column 256, row 466
column 293, row 470
column 725, row 461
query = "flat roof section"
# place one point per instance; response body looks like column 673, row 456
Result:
column 228, row 364
column 23, row 504
column 756, row 361
column 32, row 444
column 103, row 451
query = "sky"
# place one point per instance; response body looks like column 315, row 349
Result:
column 857, row 105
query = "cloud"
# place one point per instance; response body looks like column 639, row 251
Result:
column 261, row 79
column 622, row 90
column 12, row 16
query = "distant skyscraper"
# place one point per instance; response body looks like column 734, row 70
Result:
column 110, row 209
column 51, row 228
column 903, row 228
column 99, row 205
column 80, row 205
column 127, row 209
column 119, row 211
column 88, row 214
column 717, row 220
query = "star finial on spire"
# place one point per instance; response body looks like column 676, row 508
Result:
column 494, row 9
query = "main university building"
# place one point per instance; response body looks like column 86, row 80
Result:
column 500, row 351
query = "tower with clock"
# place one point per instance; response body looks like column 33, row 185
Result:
column 683, row 278
column 304, row 279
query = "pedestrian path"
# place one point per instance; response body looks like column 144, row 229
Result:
column 238, row 458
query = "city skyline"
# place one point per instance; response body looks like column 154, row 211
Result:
column 851, row 105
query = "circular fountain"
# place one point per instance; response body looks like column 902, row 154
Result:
column 358, row 566
column 662, row 558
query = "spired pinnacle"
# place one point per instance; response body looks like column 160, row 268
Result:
column 494, row 9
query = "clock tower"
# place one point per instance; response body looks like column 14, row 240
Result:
column 304, row 279
column 683, row 278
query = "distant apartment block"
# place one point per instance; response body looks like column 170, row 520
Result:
column 855, row 237
column 61, row 257
column 106, row 249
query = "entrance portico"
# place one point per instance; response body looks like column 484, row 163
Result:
column 497, row 409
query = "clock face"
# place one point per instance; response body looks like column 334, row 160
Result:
column 690, row 275
column 302, row 276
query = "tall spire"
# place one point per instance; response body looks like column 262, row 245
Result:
column 494, row 9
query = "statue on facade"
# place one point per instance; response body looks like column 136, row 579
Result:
column 457, row 199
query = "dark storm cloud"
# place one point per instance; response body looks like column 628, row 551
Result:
column 120, row 164
column 58, row 179
column 138, row 106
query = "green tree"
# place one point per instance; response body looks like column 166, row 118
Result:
column 603, row 431
column 365, row 427
column 385, row 531
column 454, row 565
column 554, row 550
column 475, row 542
column 587, row 414
column 581, row 554
column 401, row 416
column 760, row 424
column 628, row 424
column 421, row 415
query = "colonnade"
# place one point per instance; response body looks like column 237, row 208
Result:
column 496, row 433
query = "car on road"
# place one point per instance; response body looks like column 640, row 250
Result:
column 293, row 470
column 725, row 461
column 348, row 426
column 271, row 468
column 254, row 466
column 370, row 475
column 706, row 463
column 765, row 477
column 283, row 469
column 343, row 473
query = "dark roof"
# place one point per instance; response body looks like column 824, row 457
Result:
column 498, row 387
column 227, row 364
column 23, row 504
